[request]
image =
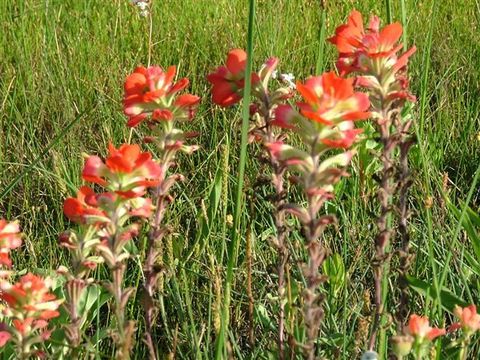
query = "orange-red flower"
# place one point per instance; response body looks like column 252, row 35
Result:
column 29, row 302
column 151, row 93
column 10, row 238
column 330, row 100
column 84, row 208
column 228, row 81
column 354, row 42
column 127, row 171
column 469, row 319
column 419, row 327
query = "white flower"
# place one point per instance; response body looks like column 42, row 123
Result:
column 288, row 78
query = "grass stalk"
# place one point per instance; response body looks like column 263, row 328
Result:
column 321, row 38
column 233, row 248
column 388, row 7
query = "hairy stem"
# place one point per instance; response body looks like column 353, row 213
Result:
column 155, row 237
column 403, row 215
column 313, row 301
column 384, row 235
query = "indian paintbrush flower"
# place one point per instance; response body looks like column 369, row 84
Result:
column 127, row 171
column 372, row 54
column 151, row 95
column 29, row 305
column 325, row 122
column 227, row 89
column 10, row 238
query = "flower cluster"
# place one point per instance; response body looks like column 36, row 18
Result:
column 27, row 306
column 324, row 120
column 107, row 222
column 227, row 89
column 151, row 94
column 10, row 238
column 373, row 53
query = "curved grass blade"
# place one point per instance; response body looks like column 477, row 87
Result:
column 51, row 145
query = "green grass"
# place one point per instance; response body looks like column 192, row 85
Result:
column 62, row 66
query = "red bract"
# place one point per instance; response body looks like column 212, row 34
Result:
column 127, row 171
column 228, row 81
column 419, row 327
column 354, row 43
column 150, row 93
column 84, row 208
column 4, row 337
column 29, row 302
column 469, row 319
column 330, row 99
column 10, row 238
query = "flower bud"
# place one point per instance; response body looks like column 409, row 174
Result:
column 402, row 345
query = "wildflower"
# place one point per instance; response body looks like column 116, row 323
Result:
column 30, row 306
column 420, row 329
column 84, row 208
column 127, row 171
column 10, row 238
column 469, row 319
column 228, row 81
column 150, row 93
column 330, row 99
column 355, row 44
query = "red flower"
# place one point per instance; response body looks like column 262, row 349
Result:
column 84, row 208
column 127, row 171
column 354, row 42
column 283, row 116
column 10, row 238
column 4, row 337
column 419, row 327
column 469, row 319
column 228, row 81
column 330, row 99
column 29, row 298
column 151, row 92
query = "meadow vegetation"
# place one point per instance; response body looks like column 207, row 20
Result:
column 62, row 69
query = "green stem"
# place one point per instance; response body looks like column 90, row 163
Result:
column 321, row 41
column 388, row 6
column 233, row 248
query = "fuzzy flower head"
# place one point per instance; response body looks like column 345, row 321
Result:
column 420, row 329
column 29, row 303
column 469, row 319
column 10, row 238
column 151, row 94
column 126, row 171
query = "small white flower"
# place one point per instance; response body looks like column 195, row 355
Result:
column 142, row 5
column 288, row 78
column 274, row 74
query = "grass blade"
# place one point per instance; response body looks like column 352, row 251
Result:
column 321, row 38
column 55, row 141
column 233, row 248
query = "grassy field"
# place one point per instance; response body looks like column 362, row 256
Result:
column 62, row 67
